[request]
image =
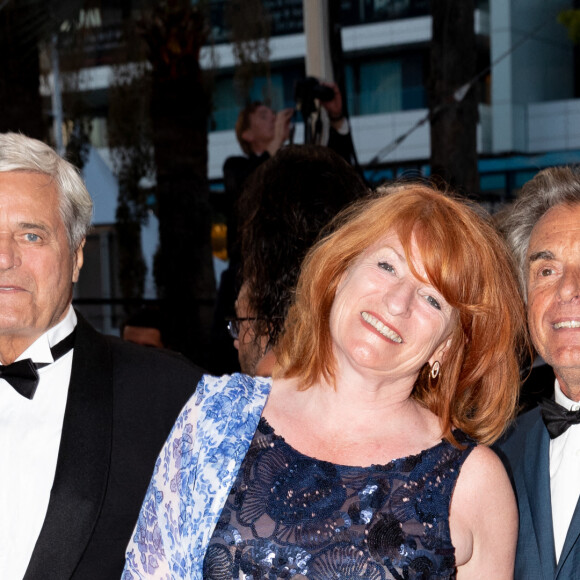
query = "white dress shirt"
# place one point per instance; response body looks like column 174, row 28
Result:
column 564, row 474
column 30, row 432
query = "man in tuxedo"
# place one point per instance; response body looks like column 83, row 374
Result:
column 543, row 449
column 82, row 416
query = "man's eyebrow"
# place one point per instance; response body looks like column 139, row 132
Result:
column 33, row 226
column 541, row 255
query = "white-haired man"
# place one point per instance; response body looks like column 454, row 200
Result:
column 82, row 416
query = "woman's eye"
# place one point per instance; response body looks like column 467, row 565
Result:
column 546, row 272
column 433, row 302
column 386, row 266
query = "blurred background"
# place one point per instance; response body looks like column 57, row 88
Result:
column 143, row 96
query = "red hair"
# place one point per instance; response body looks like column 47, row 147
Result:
column 467, row 261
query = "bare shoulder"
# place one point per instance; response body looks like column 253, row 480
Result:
column 483, row 518
column 481, row 465
column 482, row 488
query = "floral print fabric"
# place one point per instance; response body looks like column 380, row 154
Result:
column 193, row 476
column 291, row 516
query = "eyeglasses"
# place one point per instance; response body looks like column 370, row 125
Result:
column 234, row 325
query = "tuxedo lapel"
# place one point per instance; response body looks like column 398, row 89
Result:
column 83, row 461
column 572, row 538
column 537, row 484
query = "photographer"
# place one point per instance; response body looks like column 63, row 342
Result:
column 261, row 132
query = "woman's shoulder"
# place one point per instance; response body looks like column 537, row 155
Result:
column 483, row 483
column 235, row 385
column 482, row 465
column 217, row 395
column 237, row 393
column 484, row 515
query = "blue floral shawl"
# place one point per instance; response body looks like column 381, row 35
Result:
column 193, row 476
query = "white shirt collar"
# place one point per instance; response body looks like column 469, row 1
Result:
column 563, row 400
column 39, row 350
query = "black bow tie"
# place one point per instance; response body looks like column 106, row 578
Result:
column 23, row 374
column 556, row 418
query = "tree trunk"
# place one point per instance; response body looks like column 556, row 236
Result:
column 21, row 24
column 179, row 113
column 453, row 122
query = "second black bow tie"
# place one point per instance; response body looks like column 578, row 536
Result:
column 556, row 418
column 23, row 374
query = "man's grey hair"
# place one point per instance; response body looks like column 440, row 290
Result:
column 20, row 153
column 549, row 188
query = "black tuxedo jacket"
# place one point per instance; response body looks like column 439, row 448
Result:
column 538, row 384
column 122, row 402
column 525, row 452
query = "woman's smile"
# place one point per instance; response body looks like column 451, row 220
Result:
column 381, row 328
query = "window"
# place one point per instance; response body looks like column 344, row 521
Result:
column 386, row 85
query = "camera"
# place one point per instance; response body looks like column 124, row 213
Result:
column 306, row 92
column 310, row 88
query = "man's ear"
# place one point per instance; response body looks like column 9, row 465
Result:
column 78, row 260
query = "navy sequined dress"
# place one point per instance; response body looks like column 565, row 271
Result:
column 292, row 516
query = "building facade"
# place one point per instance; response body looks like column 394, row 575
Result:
column 527, row 90
column 529, row 106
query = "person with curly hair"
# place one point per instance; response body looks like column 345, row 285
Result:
column 287, row 203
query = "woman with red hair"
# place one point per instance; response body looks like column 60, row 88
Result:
column 366, row 455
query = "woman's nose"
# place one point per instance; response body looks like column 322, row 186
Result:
column 398, row 298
